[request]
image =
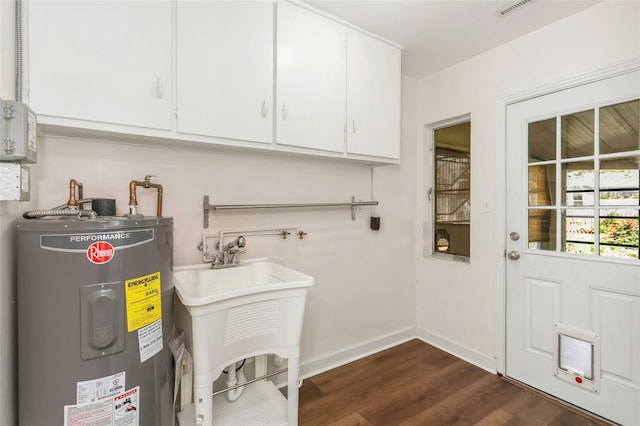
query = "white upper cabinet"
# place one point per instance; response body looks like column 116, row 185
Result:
column 311, row 80
column 275, row 75
column 373, row 97
column 103, row 61
column 225, row 69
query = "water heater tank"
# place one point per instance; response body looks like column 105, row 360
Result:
column 95, row 310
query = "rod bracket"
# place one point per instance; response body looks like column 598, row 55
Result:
column 206, row 207
column 354, row 208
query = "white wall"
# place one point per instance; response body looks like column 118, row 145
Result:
column 364, row 280
column 457, row 302
column 364, row 293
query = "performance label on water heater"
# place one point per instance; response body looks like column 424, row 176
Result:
column 144, row 302
column 80, row 243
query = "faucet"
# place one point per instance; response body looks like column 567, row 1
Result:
column 228, row 257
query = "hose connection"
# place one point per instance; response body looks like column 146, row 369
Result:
column 72, row 208
column 133, row 199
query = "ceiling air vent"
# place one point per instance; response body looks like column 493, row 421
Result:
column 512, row 8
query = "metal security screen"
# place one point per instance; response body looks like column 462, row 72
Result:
column 453, row 186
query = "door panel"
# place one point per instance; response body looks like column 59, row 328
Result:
column 103, row 61
column 572, row 191
column 225, row 69
column 311, row 80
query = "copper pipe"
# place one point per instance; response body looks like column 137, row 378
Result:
column 133, row 199
column 73, row 201
column 80, row 195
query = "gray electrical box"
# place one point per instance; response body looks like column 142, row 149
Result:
column 17, row 133
column 14, row 182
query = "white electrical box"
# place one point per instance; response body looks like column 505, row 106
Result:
column 14, row 182
column 17, row 133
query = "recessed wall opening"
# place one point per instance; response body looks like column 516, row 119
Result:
column 450, row 190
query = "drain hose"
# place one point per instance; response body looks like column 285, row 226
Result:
column 35, row 214
column 235, row 377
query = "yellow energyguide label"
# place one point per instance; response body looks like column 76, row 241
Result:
column 144, row 302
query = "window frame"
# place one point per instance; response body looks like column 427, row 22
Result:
column 429, row 216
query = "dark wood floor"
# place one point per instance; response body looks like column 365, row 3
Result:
column 417, row 384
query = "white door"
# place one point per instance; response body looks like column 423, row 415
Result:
column 573, row 273
column 225, row 69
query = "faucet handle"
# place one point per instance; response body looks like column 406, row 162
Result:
column 217, row 260
column 234, row 255
column 236, row 252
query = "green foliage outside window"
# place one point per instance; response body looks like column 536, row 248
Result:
column 619, row 231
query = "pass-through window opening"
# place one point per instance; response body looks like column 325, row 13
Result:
column 452, row 190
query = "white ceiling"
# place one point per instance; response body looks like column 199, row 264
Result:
column 439, row 33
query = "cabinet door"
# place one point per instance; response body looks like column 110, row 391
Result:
column 225, row 69
column 104, row 61
column 311, row 80
column 373, row 97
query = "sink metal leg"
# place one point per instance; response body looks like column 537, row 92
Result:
column 292, row 391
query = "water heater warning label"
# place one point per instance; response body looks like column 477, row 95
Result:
column 150, row 340
column 144, row 303
column 119, row 410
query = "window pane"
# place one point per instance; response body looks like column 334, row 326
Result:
column 542, row 185
column 542, row 229
column 542, row 140
column 579, row 231
column 579, row 248
column 619, row 126
column 453, row 186
column 621, row 252
column 619, row 233
column 578, row 182
column 579, row 225
column 577, row 134
column 619, row 182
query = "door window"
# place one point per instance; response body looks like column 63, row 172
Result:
column 594, row 156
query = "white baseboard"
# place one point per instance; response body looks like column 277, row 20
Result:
column 479, row 360
column 320, row 364
column 314, row 366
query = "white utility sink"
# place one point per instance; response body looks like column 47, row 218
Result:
column 231, row 314
column 198, row 285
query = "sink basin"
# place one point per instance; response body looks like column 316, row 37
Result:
column 235, row 313
column 198, row 285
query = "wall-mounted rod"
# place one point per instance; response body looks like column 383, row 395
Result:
column 353, row 205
